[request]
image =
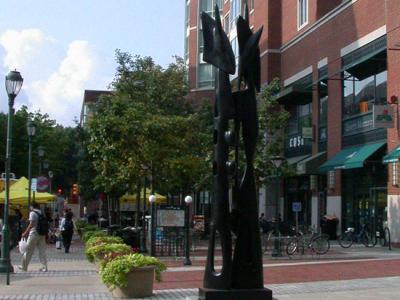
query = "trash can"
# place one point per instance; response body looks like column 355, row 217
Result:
column 130, row 236
column 112, row 229
column 329, row 226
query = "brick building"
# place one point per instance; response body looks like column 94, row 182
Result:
column 338, row 62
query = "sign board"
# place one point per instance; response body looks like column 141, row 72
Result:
column 34, row 185
column 171, row 217
column 307, row 132
column 296, row 206
column 383, row 116
column 42, row 183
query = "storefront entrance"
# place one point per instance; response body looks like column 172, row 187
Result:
column 297, row 189
column 364, row 198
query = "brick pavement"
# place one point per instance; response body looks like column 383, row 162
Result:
column 70, row 276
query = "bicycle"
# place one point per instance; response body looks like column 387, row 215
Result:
column 364, row 236
column 317, row 242
column 383, row 236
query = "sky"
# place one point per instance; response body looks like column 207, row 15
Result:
column 62, row 47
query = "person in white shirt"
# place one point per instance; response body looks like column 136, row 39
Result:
column 35, row 240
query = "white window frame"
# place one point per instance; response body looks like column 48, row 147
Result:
column 299, row 13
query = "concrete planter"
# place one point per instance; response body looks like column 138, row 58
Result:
column 140, row 284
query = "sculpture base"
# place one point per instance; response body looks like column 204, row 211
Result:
column 254, row 294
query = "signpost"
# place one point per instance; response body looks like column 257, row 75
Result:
column 33, row 188
column 296, row 208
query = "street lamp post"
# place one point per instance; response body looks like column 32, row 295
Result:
column 41, row 155
column 31, row 129
column 187, row 261
column 14, row 82
column 143, row 247
column 50, row 179
column 277, row 162
column 152, row 200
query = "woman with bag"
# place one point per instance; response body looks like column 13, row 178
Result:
column 67, row 229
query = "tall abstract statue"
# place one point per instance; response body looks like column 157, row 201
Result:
column 235, row 127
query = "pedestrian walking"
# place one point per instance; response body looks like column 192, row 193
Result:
column 67, row 229
column 36, row 233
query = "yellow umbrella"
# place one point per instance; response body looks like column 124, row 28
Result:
column 19, row 194
column 131, row 198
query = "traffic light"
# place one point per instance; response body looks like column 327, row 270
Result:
column 74, row 189
column 59, row 190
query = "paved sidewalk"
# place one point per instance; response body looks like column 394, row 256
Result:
column 70, row 276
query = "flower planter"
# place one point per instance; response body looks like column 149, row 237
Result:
column 140, row 284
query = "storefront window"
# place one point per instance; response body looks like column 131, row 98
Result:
column 359, row 96
column 323, row 118
column 381, row 88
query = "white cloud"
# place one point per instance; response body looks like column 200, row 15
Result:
column 61, row 94
column 22, row 46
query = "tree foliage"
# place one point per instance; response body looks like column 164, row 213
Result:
column 147, row 128
column 58, row 142
column 273, row 119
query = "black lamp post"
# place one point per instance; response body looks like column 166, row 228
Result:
column 31, row 129
column 143, row 247
column 187, row 261
column 50, row 180
column 277, row 162
column 152, row 200
column 14, row 82
column 41, row 155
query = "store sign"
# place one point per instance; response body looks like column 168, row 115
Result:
column 296, row 141
column 383, row 116
column 296, row 206
column 34, row 185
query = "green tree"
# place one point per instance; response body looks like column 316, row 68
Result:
column 147, row 127
column 273, row 120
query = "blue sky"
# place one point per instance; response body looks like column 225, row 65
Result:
column 62, row 47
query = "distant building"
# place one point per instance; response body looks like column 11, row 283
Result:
column 90, row 97
column 337, row 60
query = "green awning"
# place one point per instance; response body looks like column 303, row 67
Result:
column 311, row 165
column 392, row 156
column 294, row 95
column 351, row 158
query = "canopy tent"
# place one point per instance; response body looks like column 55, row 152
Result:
column 19, row 194
column 131, row 198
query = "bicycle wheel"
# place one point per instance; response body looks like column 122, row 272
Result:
column 268, row 241
column 291, row 247
column 386, row 237
column 367, row 240
column 346, row 240
column 320, row 244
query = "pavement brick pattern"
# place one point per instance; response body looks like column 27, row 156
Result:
column 70, row 276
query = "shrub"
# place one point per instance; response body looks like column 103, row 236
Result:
column 95, row 233
column 97, row 240
column 100, row 251
column 114, row 274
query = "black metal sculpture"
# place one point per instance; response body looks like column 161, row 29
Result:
column 241, row 276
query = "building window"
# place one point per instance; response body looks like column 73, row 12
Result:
column 323, row 118
column 302, row 13
column 359, row 96
column 205, row 75
column 234, row 11
column 395, row 174
column 226, row 23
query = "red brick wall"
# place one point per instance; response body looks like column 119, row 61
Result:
column 355, row 22
column 393, row 38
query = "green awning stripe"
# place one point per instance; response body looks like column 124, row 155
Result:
column 337, row 162
column 357, row 160
column 351, row 158
column 392, row 156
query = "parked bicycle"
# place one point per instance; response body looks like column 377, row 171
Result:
column 318, row 243
column 383, row 236
column 364, row 236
